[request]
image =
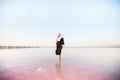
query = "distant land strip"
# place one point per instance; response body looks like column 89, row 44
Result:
column 11, row 47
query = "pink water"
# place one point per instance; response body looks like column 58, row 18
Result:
column 76, row 64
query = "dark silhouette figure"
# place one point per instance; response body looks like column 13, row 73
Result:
column 59, row 45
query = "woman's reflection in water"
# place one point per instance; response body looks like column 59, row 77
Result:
column 60, row 75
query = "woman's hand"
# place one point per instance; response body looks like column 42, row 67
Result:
column 62, row 45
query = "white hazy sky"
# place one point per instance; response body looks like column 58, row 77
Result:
column 82, row 22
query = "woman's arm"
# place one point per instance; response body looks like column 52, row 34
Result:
column 62, row 42
column 56, row 44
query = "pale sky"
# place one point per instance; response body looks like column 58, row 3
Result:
column 81, row 22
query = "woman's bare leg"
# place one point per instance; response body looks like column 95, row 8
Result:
column 59, row 58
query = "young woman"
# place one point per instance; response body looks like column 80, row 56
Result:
column 59, row 45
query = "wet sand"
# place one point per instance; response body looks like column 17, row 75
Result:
column 76, row 64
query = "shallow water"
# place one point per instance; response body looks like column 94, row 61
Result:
column 76, row 64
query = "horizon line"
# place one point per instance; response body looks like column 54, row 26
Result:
column 9, row 47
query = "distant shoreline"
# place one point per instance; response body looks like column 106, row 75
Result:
column 12, row 47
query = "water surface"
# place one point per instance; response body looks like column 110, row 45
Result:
column 76, row 64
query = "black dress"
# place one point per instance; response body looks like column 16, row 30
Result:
column 59, row 47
